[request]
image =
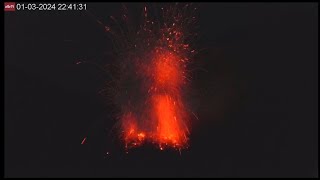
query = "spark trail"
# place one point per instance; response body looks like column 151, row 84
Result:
column 151, row 76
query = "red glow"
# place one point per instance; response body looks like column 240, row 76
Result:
column 159, row 52
column 166, row 114
column 84, row 140
column 167, row 70
column 170, row 130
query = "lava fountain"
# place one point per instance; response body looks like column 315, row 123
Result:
column 151, row 80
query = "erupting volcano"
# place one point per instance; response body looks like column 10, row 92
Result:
column 150, row 83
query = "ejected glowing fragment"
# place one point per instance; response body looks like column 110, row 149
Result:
column 152, row 77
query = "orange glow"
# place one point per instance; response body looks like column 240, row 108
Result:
column 154, row 109
column 130, row 126
column 164, row 108
column 167, row 105
column 168, row 74
column 141, row 136
column 170, row 128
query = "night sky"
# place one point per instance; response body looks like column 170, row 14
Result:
column 254, row 89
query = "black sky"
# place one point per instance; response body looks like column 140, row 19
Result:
column 257, row 97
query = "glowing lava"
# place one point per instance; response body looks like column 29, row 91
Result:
column 168, row 71
column 150, row 90
column 167, row 104
column 170, row 127
column 164, row 106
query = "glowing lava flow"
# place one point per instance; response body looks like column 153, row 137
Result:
column 151, row 89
